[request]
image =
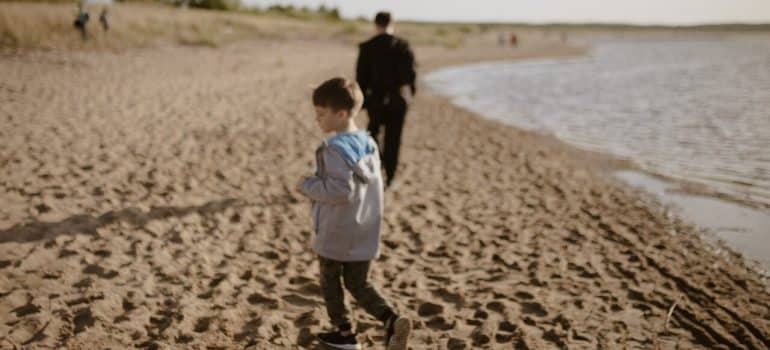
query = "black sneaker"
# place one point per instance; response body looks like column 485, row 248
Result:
column 338, row 340
column 398, row 329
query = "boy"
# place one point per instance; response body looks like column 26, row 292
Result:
column 347, row 191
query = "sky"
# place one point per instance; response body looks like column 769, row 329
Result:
column 672, row 12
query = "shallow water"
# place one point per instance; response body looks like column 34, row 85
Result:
column 743, row 229
column 687, row 109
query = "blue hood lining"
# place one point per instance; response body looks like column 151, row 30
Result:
column 352, row 145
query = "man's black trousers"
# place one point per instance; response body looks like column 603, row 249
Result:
column 388, row 113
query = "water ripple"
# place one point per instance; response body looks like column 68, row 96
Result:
column 695, row 110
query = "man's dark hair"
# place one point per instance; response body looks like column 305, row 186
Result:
column 382, row 19
column 339, row 94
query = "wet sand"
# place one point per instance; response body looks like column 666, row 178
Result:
column 742, row 228
column 147, row 202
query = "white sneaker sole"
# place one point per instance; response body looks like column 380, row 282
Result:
column 343, row 346
column 401, row 330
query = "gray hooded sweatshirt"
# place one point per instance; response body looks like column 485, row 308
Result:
column 347, row 198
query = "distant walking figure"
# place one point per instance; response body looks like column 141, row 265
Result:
column 514, row 40
column 386, row 73
column 81, row 21
column 103, row 19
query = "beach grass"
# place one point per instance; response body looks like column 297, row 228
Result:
column 49, row 25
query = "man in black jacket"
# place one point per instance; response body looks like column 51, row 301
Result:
column 386, row 74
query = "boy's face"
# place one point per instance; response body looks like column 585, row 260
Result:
column 330, row 120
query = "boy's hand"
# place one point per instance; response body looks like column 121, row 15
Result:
column 298, row 185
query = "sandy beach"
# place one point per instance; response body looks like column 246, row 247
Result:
column 146, row 202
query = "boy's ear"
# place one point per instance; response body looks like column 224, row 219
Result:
column 343, row 113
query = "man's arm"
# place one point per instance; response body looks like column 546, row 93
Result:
column 336, row 187
column 362, row 72
column 409, row 67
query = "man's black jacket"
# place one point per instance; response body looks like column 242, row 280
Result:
column 385, row 63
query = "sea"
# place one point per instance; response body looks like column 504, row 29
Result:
column 694, row 110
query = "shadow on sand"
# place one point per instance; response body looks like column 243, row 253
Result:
column 84, row 223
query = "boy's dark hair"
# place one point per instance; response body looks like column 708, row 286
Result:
column 382, row 19
column 339, row 94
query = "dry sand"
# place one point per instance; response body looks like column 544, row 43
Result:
column 147, row 203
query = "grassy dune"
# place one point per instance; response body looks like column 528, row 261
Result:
column 42, row 25
column 49, row 25
column 38, row 25
column 32, row 25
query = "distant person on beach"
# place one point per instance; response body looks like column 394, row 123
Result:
column 103, row 19
column 81, row 22
column 386, row 73
column 347, row 196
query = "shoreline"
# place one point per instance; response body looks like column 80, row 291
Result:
column 619, row 163
column 679, row 194
column 685, row 204
column 609, row 166
column 161, row 214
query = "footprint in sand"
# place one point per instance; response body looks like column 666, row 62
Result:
column 496, row 306
column 246, row 275
column 428, row 309
column 305, row 337
column 455, row 298
column 103, row 253
column 83, row 319
column 217, row 280
column 249, row 330
column 85, row 300
column 66, row 252
column 306, row 319
column 308, row 286
column 644, row 308
column 505, row 326
column 523, row 295
column 300, row 280
column 556, row 338
column 128, row 306
column 456, row 344
column 534, row 309
column 27, row 309
column 259, row 299
column 94, row 269
column 439, row 323
column 164, row 318
column 481, row 315
column 202, row 324
column 503, row 338
column 507, row 260
column 206, row 295
column 299, row 300
column 84, row 283
column 481, row 335
column 184, row 338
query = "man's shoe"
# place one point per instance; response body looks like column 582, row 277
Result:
column 339, row 341
column 398, row 329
